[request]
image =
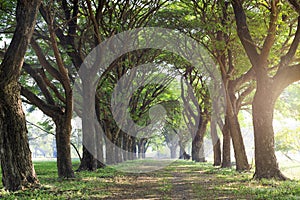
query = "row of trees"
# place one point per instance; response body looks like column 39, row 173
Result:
column 254, row 44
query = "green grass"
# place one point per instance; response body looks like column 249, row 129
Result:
column 181, row 178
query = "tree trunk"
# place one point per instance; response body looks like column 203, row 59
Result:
column 196, row 146
column 15, row 155
column 215, row 142
column 217, row 153
column 134, row 150
column 181, row 149
column 131, row 148
column 202, row 152
column 144, row 150
column 140, row 150
column 142, row 147
column 64, row 162
column 118, row 152
column 88, row 162
column 17, row 168
column 266, row 165
column 99, row 146
column 182, row 145
column 89, row 124
column 197, row 142
column 125, row 146
column 236, row 135
column 109, row 151
column 226, row 161
column 173, row 149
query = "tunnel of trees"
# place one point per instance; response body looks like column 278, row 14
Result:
column 254, row 46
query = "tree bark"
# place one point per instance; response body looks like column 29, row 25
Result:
column 109, row 148
column 235, row 131
column 266, row 165
column 197, row 142
column 226, row 161
column 15, row 155
column 88, row 162
column 63, row 134
column 142, row 148
column 238, row 143
column 216, row 143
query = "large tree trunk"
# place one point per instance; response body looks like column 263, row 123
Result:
column 63, row 134
column 15, row 155
column 236, row 135
column 215, row 142
column 226, row 161
column 197, row 142
column 265, row 160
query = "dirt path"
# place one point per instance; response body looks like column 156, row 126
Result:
column 181, row 188
column 173, row 182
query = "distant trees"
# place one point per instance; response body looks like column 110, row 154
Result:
column 17, row 169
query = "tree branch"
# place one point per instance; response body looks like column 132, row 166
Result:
column 269, row 40
column 286, row 77
column 50, row 110
column 40, row 82
column 296, row 5
column 244, row 33
column 44, row 62
column 286, row 59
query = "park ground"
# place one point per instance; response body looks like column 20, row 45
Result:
column 179, row 180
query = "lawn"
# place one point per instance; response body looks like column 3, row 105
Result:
column 180, row 180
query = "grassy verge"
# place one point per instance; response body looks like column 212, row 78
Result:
column 182, row 179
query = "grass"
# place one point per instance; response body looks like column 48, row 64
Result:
column 180, row 180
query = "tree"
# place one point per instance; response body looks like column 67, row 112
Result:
column 198, row 107
column 54, row 92
column 268, row 86
column 15, row 155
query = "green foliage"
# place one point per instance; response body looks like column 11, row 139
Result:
column 288, row 140
column 288, row 104
column 7, row 19
column 287, row 110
